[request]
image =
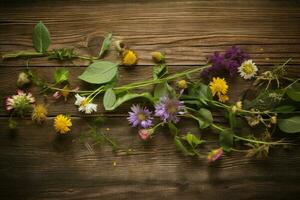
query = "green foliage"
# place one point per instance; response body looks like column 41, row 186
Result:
column 181, row 147
column 100, row 72
column 193, row 141
column 105, row 44
column 61, row 75
column 226, row 139
column 293, row 92
column 290, row 125
column 109, row 99
column 41, row 38
column 173, row 129
column 63, row 54
column 284, row 109
column 205, row 118
column 129, row 96
column 160, row 71
column 198, row 94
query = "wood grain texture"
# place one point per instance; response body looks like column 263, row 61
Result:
column 38, row 164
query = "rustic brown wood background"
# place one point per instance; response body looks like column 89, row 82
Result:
column 36, row 164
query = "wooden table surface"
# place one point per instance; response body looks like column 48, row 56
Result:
column 36, row 164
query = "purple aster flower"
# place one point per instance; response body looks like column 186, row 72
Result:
column 168, row 109
column 227, row 62
column 140, row 117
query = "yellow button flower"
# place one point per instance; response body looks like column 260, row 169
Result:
column 62, row 124
column 182, row 84
column 158, row 56
column 129, row 58
column 39, row 113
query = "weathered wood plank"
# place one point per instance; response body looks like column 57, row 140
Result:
column 186, row 31
column 41, row 165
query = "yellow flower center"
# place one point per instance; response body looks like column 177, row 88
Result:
column 172, row 109
column 141, row 117
column 85, row 102
column 62, row 124
column 248, row 68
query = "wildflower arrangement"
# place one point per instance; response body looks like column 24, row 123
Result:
column 252, row 123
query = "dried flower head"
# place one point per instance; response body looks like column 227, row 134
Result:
column 129, row 58
column 158, row 57
column 62, row 124
column 140, row 117
column 20, row 103
column 248, row 69
column 119, row 45
column 254, row 120
column 219, row 88
column 39, row 113
column 168, row 109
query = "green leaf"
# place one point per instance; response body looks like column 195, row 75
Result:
column 201, row 92
column 61, row 75
column 105, row 44
column 160, row 71
column 290, row 125
column 293, row 92
column 173, row 129
column 181, row 147
column 226, row 140
column 193, row 140
column 99, row 72
column 232, row 119
column 285, row 109
column 109, row 99
column 161, row 90
column 129, row 96
column 41, row 38
column 205, row 118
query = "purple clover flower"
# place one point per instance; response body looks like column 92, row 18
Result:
column 140, row 117
column 168, row 109
column 227, row 62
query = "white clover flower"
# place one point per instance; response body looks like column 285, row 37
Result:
column 85, row 105
column 20, row 102
column 248, row 69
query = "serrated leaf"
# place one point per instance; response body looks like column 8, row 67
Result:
column 105, row 44
column 61, row 75
column 226, row 140
column 129, row 96
column 99, row 72
column 41, row 38
column 109, row 99
column 290, row 125
column 160, row 71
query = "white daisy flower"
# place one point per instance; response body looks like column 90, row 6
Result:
column 85, row 105
column 248, row 69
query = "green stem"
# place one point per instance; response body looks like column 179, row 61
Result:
column 24, row 54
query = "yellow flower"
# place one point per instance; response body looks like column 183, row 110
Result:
column 273, row 119
column 129, row 58
column 223, row 98
column 239, row 105
column 62, row 124
column 158, row 56
column 182, row 84
column 39, row 113
column 219, row 87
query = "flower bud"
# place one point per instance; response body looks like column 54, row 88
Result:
column 182, row 84
column 215, row 154
column 273, row 119
column 145, row 134
column 158, row 57
column 119, row 45
column 234, row 108
column 23, row 79
column 239, row 105
column 12, row 124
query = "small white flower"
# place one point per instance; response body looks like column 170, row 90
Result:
column 248, row 69
column 19, row 102
column 85, row 105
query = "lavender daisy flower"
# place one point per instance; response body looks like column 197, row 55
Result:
column 228, row 62
column 140, row 117
column 168, row 109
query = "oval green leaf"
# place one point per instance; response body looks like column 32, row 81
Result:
column 290, row 125
column 294, row 92
column 41, row 38
column 99, row 72
column 109, row 99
